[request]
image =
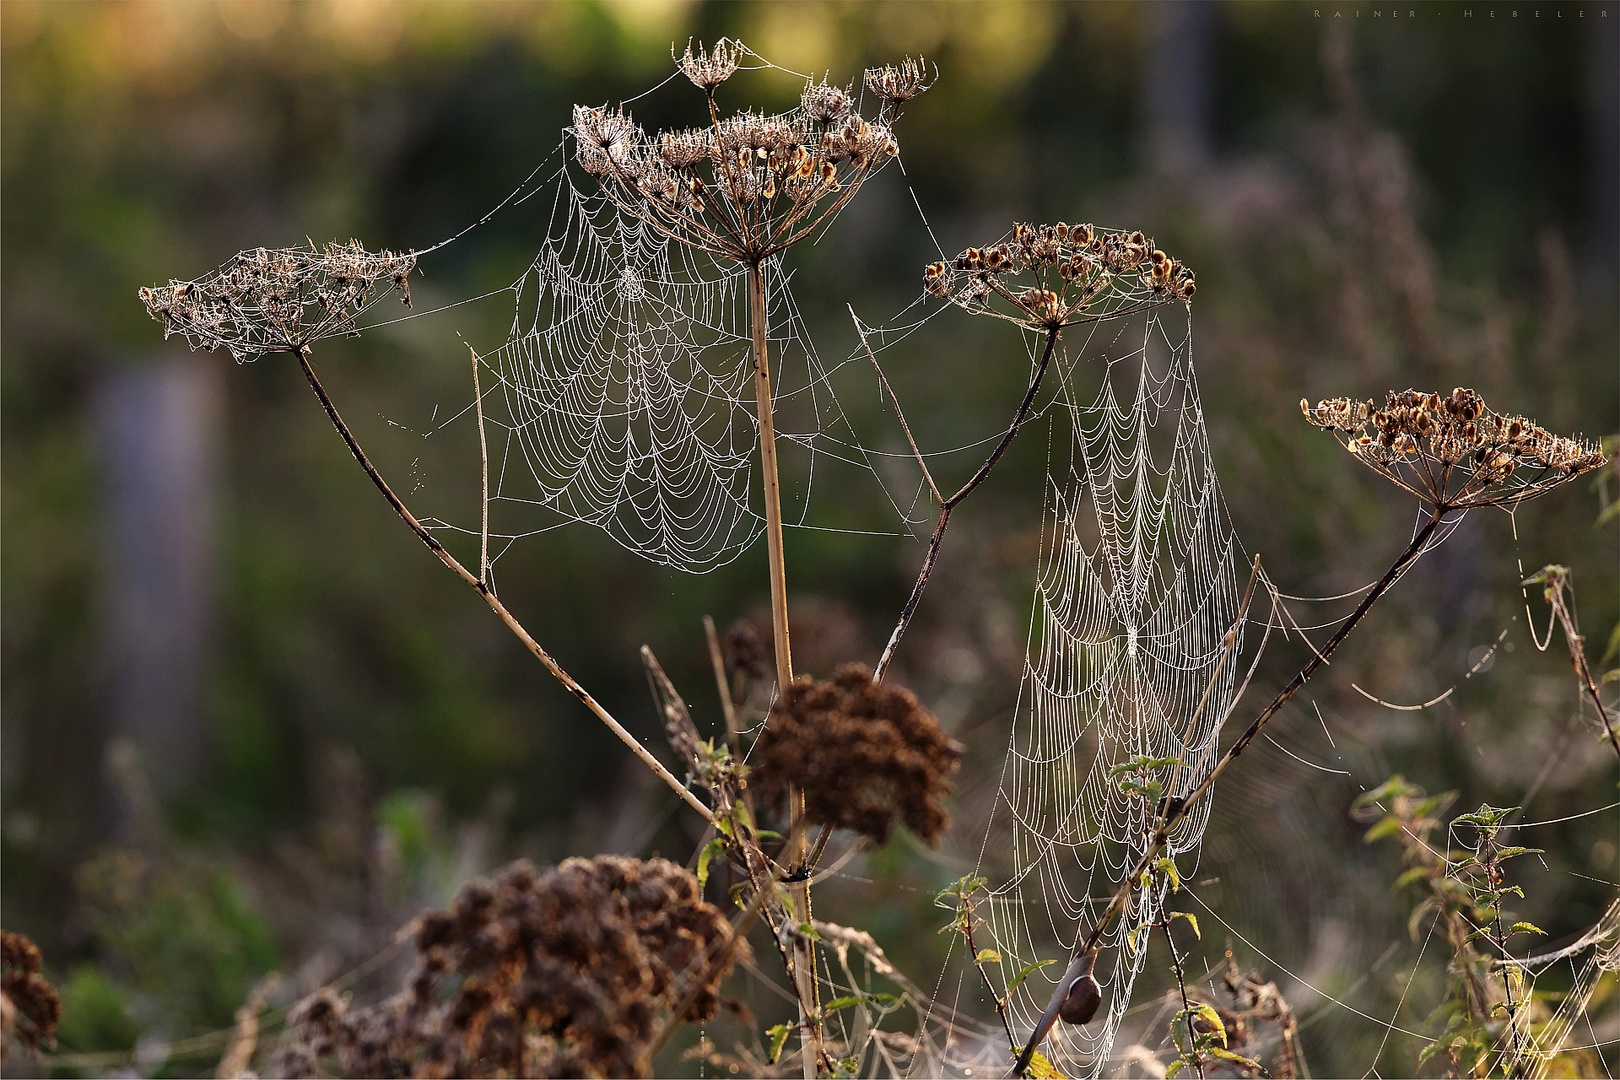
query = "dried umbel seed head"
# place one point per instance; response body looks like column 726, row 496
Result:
column 267, row 301
column 899, row 83
column 1453, row 451
column 708, row 70
column 866, row 755
column 745, row 651
column 565, row 973
column 825, row 103
column 753, row 184
column 31, row 1006
column 1079, row 275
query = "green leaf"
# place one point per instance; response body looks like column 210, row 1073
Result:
column 778, row 1035
column 1206, row 1012
column 1514, row 852
column 1389, row 789
column 1612, row 649
column 837, row 1004
column 1526, row 928
column 1141, row 763
column 1417, row 873
column 987, row 956
column 808, row 931
column 1026, row 973
column 710, row 850
column 1192, row 920
column 1174, row 1067
column 1486, row 817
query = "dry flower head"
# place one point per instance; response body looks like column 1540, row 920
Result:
column 563, row 973
column 866, row 755
column 279, row 300
column 30, row 1007
column 1050, row 276
column 1452, row 451
column 752, row 184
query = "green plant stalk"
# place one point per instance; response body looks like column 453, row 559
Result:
column 1175, row 810
column 482, row 589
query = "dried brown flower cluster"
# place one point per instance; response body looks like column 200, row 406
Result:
column 1452, row 451
column 528, row 974
column 30, row 1007
column 279, row 300
column 865, row 754
column 1070, row 274
column 753, row 184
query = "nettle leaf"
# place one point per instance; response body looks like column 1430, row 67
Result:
column 1393, row 787
column 1387, row 826
column 1192, row 920
column 1174, row 1067
column 1041, row 1067
column 839, row 1004
column 1168, row 865
column 1417, row 873
column 1142, row 763
column 1514, row 852
column 1026, row 973
column 778, row 1036
column 710, row 850
column 1526, row 928
column 1236, row 1059
column 987, row 956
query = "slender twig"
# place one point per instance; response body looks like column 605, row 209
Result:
column 947, row 505
column 1555, row 578
column 727, row 706
column 1186, row 1005
column 973, row 950
column 898, row 412
column 1177, row 808
column 483, row 590
column 483, row 453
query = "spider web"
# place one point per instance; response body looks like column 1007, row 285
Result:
column 1136, row 589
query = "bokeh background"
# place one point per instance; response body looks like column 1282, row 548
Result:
column 249, row 725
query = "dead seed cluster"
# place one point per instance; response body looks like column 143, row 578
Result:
column 867, row 755
column 277, row 300
column 1046, row 276
column 1453, row 451
column 752, row 184
column 529, row 974
column 30, row 1007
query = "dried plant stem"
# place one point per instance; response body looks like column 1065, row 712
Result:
column 494, row 603
column 1555, row 577
column 483, row 453
column 1176, row 809
column 949, row 504
column 727, row 706
column 804, row 965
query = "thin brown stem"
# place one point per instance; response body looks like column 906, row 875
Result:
column 1177, row 808
column 898, row 413
column 1555, row 578
column 1186, row 1005
column 494, row 603
column 947, row 505
column 804, row 966
column 727, row 706
column 973, row 950
column 483, row 453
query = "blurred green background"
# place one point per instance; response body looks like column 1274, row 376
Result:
column 250, row 725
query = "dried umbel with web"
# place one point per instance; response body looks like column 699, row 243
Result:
column 1452, row 451
column 867, row 755
column 30, row 1007
column 564, row 973
column 748, row 186
column 1051, row 276
column 280, row 300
